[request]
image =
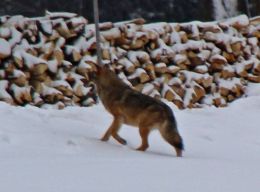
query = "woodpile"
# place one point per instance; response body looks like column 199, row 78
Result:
column 48, row 61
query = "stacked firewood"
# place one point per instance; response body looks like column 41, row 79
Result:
column 47, row 61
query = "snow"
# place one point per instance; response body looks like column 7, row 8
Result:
column 230, row 83
column 53, row 65
column 46, row 26
column 58, row 83
column 242, row 20
column 3, row 93
column 111, row 33
column 59, row 150
column 5, row 32
column 31, row 60
column 5, row 49
column 137, row 73
column 60, row 14
column 49, row 90
column 16, row 37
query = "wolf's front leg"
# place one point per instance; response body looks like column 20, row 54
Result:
column 113, row 130
column 144, row 133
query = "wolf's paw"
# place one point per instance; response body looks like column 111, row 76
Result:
column 142, row 148
column 122, row 141
column 104, row 139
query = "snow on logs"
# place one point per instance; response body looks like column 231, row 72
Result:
column 48, row 61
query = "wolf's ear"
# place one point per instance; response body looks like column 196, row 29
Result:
column 106, row 66
column 98, row 68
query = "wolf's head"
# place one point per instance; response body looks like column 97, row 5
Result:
column 105, row 76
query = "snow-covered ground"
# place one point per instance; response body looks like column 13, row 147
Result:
column 60, row 151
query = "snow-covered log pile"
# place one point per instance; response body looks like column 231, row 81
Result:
column 47, row 61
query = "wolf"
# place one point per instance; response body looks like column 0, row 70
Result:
column 131, row 107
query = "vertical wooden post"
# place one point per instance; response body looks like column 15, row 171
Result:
column 96, row 19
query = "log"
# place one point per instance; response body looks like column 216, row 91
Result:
column 254, row 21
column 160, row 68
column 201, row 69
column 128, row 65
column 139, row 76
column 21, row 95
column 37, row 85
column 227, row 72
column 173, row 69
column 217, row 62
column 63, row 86
column 51, row 95
column 58, row 55
column 71, row 52
column 111, row 34
column 238, row 22
column 170, row 95
column 4, row 95
column 237, row 48
column 195, row 59
column 19, row 78
column 230, row 57
column 253, row 78
column 149, row 68
column 61, row 27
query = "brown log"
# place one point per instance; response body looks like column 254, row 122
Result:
column 184, row 36
column 181, row 60
column 37, row 85
column 72, row 52
column 231, row 98
column 63, row 29
column 58, row 55
column 179, row 89
column 253, row 78
column 106, row 54
column 173, row 69
column 199, row 91
column 237, row 48
column 195, row 59
column 20, row 80
column 238, row 90
column 39, row 69
column 230, row 57
column 256, row 68
column 75, row 99
column 227, row 73
column 160, row 68
column 224, row 91
column 217, row 62
column 139, row 76
column 111, row 34
column 129, row 66
column 68, row 92
column 170, row 95
column 149, row 68
column 255, row 20
column 21, row 95
column 138, row 43
column 219, row 102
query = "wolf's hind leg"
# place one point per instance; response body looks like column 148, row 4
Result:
column 113, row 130
column 144, row 133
